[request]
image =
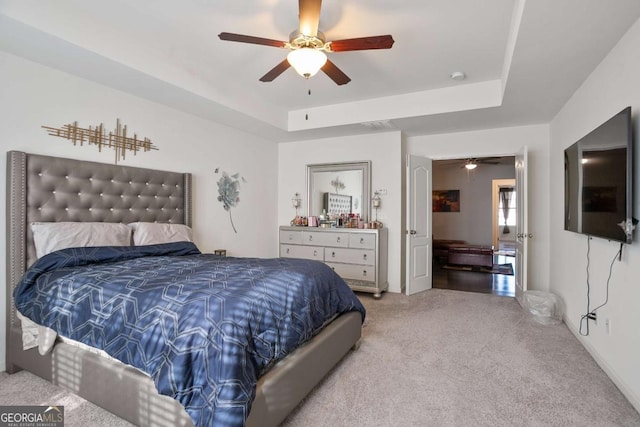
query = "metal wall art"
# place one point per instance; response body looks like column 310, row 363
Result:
column 117, row 139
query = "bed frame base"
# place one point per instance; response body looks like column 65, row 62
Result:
column 130, row 394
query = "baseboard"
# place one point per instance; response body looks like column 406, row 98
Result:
column 3, row 365
column 632, row 397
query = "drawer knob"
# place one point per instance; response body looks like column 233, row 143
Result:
column 362, row 240
column 338, row 239
column 333, row 254
column 364, row 273
column 315, row 253
column 290, row 236
column 310, row 238
column 287, row 250
column 364, row 256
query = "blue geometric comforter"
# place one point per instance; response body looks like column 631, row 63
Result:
column 204, row 327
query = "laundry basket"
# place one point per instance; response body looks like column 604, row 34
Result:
column 543, row 306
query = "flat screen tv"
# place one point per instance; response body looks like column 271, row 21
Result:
column 598, row 179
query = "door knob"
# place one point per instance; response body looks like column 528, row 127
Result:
column 413, row 232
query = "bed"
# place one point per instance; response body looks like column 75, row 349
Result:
column 49, row 189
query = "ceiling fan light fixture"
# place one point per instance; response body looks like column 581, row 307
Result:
column 307, row 61
column 471, row 165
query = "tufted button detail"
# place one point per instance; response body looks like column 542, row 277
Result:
column 39, row 173
column 66, row 209
column 122, row 196
column 66, row 177
column 53, row 192
column 111, row 209
column 90, row 209
column 112, row 181
column 100, row 194
column 40, row 209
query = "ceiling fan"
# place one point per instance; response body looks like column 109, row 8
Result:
column 472, row 163
column 308, row 46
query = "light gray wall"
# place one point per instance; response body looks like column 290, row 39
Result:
column 474, row 221
column 614, row 85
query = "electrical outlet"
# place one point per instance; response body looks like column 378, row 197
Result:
column 607, row 325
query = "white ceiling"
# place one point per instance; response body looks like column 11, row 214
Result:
column 523, row 58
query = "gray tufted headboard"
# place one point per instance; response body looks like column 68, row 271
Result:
column 52, row 189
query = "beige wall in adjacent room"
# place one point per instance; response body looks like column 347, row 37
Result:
column 473, row 223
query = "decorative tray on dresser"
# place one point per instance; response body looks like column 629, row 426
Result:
column 359, row 256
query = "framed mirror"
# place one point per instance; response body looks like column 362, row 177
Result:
column 339, row 188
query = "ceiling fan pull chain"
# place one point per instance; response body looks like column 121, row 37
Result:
column 306, row 116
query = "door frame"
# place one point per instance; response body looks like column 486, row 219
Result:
column 436, row 157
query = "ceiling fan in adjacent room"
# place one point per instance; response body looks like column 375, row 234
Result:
column 473, row 163
column 308, row 46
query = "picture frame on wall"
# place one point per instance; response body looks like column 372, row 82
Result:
column 446, row 201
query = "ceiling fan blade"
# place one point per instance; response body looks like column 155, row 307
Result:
column 363, row 43
column 335, row 73
column 275, row 71
column 309, row 16
column 250, row 39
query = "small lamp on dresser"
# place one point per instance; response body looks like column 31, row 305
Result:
column 296, row 201
column 376, row 201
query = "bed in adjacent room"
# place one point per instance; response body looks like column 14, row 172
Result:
column 220, row 335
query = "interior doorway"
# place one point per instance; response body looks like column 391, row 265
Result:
column 471, row 224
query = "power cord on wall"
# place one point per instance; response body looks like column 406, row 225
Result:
column 591, row 314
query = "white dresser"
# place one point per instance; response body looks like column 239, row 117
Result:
column 359, row 256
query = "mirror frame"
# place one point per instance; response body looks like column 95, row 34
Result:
column 364, row 167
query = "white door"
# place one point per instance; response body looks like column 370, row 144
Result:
column 522, row 228
column 419, row 250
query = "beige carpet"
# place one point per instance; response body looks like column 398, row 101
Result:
column 440, row 358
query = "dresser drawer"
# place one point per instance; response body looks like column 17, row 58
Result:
column 355, row 272
column 350, row 256
column 325, row 238
column 291, row 237
column 306, row 252
column 365, row 241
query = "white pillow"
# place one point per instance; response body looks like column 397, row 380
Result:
column 52, row 236
column 153, row 233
